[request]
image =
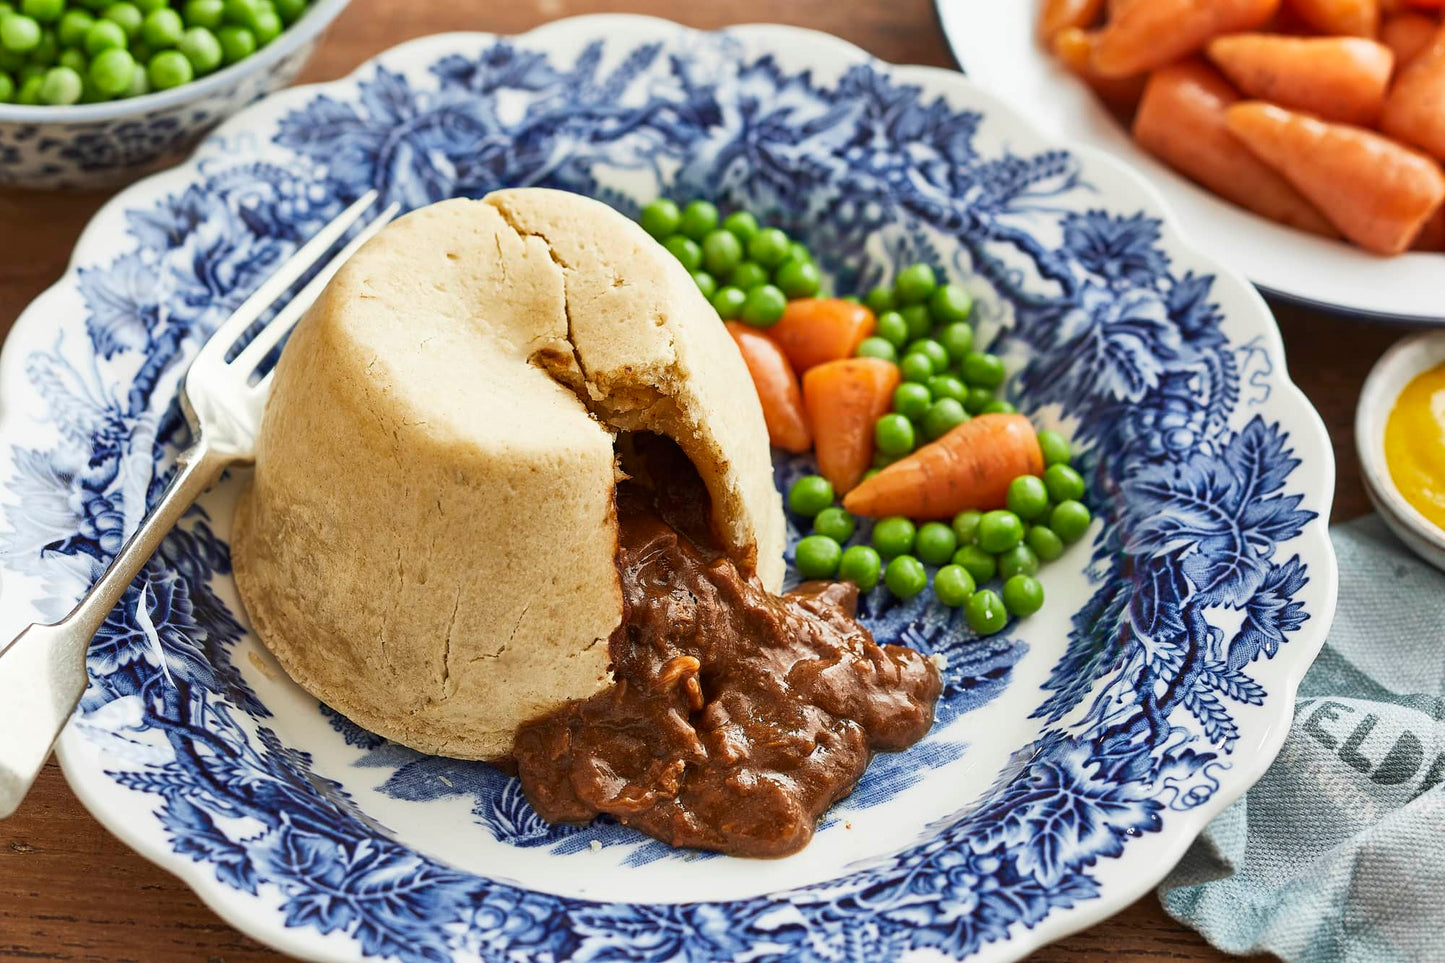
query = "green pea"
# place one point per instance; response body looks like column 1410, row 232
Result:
column 892, row 328
column 45, row 11
column 893, row 434
column 911, row 400
column 953, row 585
column 883, row 459
column 862, row 566
column 914, row 284
column 266, row 25
column 742, row 225
column 32, row 70
column 729, row 302
column 1070, row 520
column 163, row 28
column 202, row 49
column 685, row 249
column 905, row 577
column 877, row 348
column 769, row 247
column 19, row 33
column 126, row 15
column 935, row 543
column 870, row 473
column 1019, row 560
column 982, row 370
column 999, row 407
column 985, row 612
column 289, row 10
column 1027, row 497
column 1023, row 595
column 965, row 526
column 699, row 218
column 980, row 564
column 943, row 416
column 1055, row 448
column 237, row 43
column 799, row 279
column 957, row 339
column 749, row 275
column 61, row 87
column 112, row 71
column 836, row 523
column 661, row 218
column 919, row 321
column 29, row 92
column 894, row 536
column 977, row 400
column 817, row 556
column 207, row 13
column 798, row 251
column 935, row 352
column 950, row 304
column 7, row 88
column 916, row 367
column 947, row 386
column 764, row 306
column 721, row 252
column 104, row 35
column 72, row 28
column 810, row 495
column 1046, row 544
column 140, row 83
column 999, row 531
column 880, row 299
column 1064, row 484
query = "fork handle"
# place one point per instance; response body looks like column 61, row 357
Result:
column 42, row 670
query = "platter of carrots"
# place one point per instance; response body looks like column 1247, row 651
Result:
column 1301, row 142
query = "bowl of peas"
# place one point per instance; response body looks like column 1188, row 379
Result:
column 95, row 93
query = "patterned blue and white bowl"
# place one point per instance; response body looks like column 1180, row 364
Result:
column 1075, row 755
column 98, row 145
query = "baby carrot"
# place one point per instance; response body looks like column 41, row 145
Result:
column 777, row 388
column 1181, row 121
column 1337, row 78
column 1062, row 14
column 968, row 468
column 1143, row 36
column 1075, row 49
column 1415, row 109
column 1408, row 35
column 1355, row 18
column 1432, row 235
column 817, row 330
column 1377, row 192
column 843, row 400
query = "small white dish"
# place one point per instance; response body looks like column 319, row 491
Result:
column 1395, row 369
column 996, row 45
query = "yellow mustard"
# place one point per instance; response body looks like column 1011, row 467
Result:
column 1415, row 444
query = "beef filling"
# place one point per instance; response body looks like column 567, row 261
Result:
column 737, row 717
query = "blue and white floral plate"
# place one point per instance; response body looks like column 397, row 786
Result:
column 1076, row 754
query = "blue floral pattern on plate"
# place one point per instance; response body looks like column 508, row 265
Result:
column 1200, row 574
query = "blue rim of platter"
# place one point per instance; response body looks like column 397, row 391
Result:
column 1209, row 590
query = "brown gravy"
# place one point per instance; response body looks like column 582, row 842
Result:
column 737, row 716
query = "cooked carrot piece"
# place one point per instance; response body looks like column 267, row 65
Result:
column 1408, row 35
column 1075, row 48
column 816, row 330
column 843, row 400
column 1351, row 18
column 1143, row 36
column 1337, row 78
column 1432, row 235
column 1062, row 14
column 1181, row 121
column 1377, row 192
column 968, row 468
column 1415, row 109
column 777, row 388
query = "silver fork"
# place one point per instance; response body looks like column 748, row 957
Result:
column 42, row 670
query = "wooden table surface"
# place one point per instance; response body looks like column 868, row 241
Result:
column 70, row 891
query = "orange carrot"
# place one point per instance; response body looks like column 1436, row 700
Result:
column 1408, row 35
column 844, row 398
column 817, row 330
column 1432, row 235
column 1354, row 18
column 1075, row 49
column 1337, row 78
column 1377, row 192
column 968, row 468
column 1143, row 36
column 777, row 388
column 1062, row 14
column 1181, row 121
column 1415, row 109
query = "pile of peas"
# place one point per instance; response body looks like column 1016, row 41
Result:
column 749, row 273
column 1008, row 545
column 57, row 53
